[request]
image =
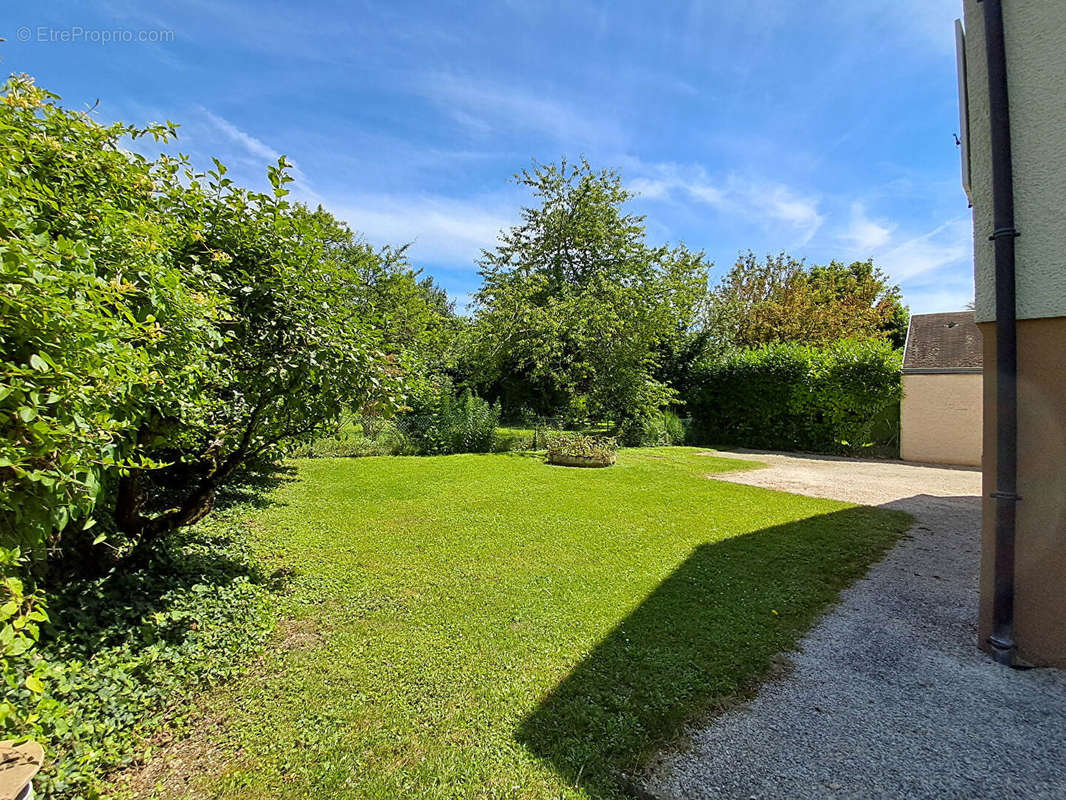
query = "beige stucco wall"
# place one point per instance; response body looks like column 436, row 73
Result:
column 1040, row 541
column 940, row 419
column 1035, row 33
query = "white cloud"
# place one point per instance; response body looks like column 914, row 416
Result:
column 865, row 234
column 661, row 181
column 920, row 257
column 783, row 204
column 441, row 229
column 934, row 268
column 264, row 153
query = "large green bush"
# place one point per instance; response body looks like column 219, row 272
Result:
column 159, row 328
column 797, row 397
column 102, row 330
column 657, row 429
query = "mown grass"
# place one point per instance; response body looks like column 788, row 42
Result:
column 493, row 627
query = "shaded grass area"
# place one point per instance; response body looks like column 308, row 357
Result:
column 491, row 626
column 124, row 646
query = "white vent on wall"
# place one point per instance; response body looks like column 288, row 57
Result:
column 964, row 108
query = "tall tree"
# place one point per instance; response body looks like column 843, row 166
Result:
column 779, row 299
column 576, row 307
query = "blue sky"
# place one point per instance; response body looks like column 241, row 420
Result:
column 824, row 129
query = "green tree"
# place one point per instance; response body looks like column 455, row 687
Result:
column 779, row 299
column 576, row 307
column 417, row 319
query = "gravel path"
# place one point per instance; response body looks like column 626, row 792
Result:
column 889, row 696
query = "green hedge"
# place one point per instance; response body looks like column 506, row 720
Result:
column 831, row 399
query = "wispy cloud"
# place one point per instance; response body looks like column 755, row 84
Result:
column 768, row 203
column 262, row 154
column 486, row 107
column 441, row 230
column 948, row 244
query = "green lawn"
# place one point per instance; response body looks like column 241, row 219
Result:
column 494, row 627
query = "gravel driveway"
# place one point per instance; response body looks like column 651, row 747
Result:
column 889, row 696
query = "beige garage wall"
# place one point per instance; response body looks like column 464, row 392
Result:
column 940, row 419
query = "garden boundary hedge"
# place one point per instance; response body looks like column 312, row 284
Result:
column 834, row 399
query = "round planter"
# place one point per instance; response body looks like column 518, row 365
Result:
column 564, row 460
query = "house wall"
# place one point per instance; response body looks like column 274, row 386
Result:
column 1040, row 543
column 940, row 419
column 1035, row 31
column 1036, row 74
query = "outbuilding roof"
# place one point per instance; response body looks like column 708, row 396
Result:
column 943, row 343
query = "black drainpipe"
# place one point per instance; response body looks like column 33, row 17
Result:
column 1003, row 235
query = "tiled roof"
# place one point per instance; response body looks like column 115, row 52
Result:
column 943, row 343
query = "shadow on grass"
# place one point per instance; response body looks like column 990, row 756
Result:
column 702, row 639
column 93, row 612
column 253, row 485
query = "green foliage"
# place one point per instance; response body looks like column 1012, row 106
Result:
column 779, row 299
column 458, row 424
column 360, row 437
column 102, row 330
column 417, row 321
column 797, row 397
column 674, row 428
column 25, row 676
column 159, row 328
column 508, row 439
column 123, row 650
column 660, row 429
column 575, row 305
column 301, row 345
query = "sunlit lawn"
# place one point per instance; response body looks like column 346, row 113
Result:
column 490, row 626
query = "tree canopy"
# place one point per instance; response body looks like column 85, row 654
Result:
column 780, row 299
column 575, row 305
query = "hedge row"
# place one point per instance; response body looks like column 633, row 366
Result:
column 835, row 399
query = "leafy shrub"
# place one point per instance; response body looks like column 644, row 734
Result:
column 674, row 428
column 23, row 673
column 564, row 447
column 102, row 332
column 797, row 397
column 463, row 424
column 658, row 429
column 511, row 439
column 159, row 327
column 359, row 438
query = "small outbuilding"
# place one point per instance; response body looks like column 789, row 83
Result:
column 940, row 416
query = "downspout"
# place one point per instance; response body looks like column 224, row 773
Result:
column 1003, row 235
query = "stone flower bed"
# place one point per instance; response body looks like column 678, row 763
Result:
column 575, row 450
